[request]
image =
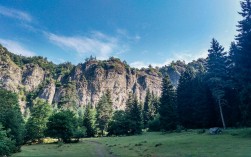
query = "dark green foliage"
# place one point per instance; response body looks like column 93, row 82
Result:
column 79, row 132
column 194, row 100
column 168, row 108
column 119, row 124
column 62, row 125
column 147, row 109
column 6, row 144
column 104, row 111
column 155, row 105
column 154, row 125
column 185, row 99
column 11, row 117
column 64, row 68
column 36, row 124
column 133, row 115
column 242, row 62
column 89, row 121
column 217, row 75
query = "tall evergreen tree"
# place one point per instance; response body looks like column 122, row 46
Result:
column 147, row 109
column 89, row 121
column 104, row 112
column 243, row 64
column 118, row 124
column 217, row 75
column 185, row 101
column 168, row 108
column 134, row 116
column 155, row 105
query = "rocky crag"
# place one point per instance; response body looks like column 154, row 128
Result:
column 69, row 86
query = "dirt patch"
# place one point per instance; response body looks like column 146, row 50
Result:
column 100, row 150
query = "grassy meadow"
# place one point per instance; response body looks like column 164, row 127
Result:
column 232, row 143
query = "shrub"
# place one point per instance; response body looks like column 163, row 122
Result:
column 62, row 125
column 6, row 144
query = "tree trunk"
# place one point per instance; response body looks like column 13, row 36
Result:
column 221, row 114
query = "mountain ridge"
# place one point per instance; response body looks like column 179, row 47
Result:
column 73, row 86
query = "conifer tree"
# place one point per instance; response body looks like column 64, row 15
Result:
column 104, row 112
column 147, row 109
column 185, row 104
column 217, row 75
column 155, row 105
column 243, row 64
column 167, row 110
column 89, row 121
column 134, row 116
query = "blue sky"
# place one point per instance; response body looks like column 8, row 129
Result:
column 142, row 32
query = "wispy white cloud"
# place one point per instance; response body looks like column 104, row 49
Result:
column 16, row 47
column 183, row 56
column 97, row 43
column 16, row 14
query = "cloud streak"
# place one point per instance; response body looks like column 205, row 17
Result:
column 16, row 14
column 97, row 43
column 16, row 47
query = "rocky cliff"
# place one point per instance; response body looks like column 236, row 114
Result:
column 71, row 86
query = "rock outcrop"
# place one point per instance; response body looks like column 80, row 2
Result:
column 83, row 84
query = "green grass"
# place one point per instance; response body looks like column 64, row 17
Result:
column 84, row 148
column 232, row 143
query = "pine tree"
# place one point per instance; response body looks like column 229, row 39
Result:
column 243, row 64
column 155, row 105
column 185, row 103
column 119, row 124
column 147, row 109
column 167, row 110
column 217, row 75
column 134, row 116
column 104, row 112
column 89, row 121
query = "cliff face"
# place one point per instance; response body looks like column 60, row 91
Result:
column 83, row 84
column 87, row 82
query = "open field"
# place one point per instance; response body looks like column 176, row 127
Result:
column 232, row 143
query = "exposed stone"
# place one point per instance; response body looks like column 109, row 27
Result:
column 48, row 92
column 33, row 75
column 85, row 84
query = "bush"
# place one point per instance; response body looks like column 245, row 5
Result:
column 6, row 144
column 62, row 125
